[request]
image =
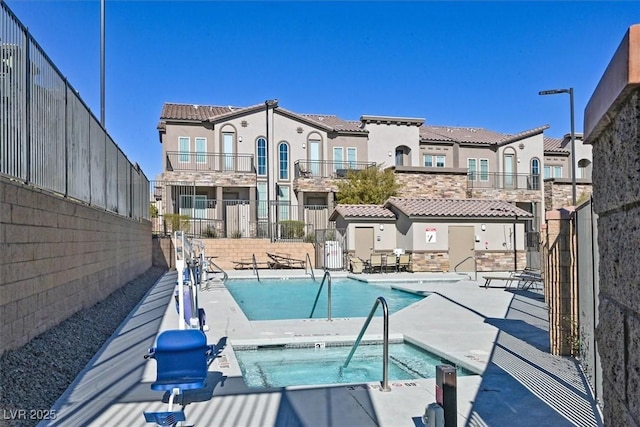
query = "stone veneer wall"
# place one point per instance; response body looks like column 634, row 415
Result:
column 612, row 126
column 558, row 237
column 436, row 261
column 558, row 195
column 432, row 185
column 59, row 257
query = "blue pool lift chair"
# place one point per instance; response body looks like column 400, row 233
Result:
column 182, row 358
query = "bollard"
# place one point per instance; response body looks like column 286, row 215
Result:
column 446, row 393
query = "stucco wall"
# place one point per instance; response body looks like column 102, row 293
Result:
column 59, row 257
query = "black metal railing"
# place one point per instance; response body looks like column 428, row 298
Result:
column 181, row 161
column 503, row 181
column 327, row 168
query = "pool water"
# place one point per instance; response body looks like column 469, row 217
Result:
column 310, row 366
column 294, row 298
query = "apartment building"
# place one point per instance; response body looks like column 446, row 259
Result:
column 265, row 171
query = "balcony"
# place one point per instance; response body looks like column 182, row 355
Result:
column 205, row 162
column 327, row 169
column 502, row 181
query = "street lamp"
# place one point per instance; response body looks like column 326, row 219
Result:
column 274, row 104
column 573, row 137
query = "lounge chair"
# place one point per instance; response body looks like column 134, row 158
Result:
column 523, row 279
column 285, row 261
column 356, row 265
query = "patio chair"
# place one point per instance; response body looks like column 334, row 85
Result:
column 403, row 262
column 375, row 263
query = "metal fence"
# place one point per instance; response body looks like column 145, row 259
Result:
column 183, row 205
column 505, row 181
column 50, row 139
column 588, row 290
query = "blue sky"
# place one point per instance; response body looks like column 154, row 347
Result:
column 453, row 63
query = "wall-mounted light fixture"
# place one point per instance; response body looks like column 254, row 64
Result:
column 381, row 227
column 239, row 139
column 304, row 145
column 390, row 153
column 483, row 227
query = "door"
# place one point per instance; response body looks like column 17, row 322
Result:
column 364, row 242
column 461, row 249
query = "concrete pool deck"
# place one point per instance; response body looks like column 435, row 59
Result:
column 502, row 334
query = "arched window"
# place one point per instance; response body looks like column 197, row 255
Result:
column 283, row 161
column 261, row 156
column 584, row 169
column 534, row 182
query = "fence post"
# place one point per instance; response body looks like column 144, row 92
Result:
column 447, row 393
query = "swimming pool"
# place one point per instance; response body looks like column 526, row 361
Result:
column 274, row 299
column 284, row 367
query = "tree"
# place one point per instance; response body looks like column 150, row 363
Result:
column 153, row 210
column 368, row 186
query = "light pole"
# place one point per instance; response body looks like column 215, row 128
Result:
column 573, row 138
column 268, row 103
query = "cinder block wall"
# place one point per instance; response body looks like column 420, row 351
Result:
column 58, row 257
column 226, row 251
column 612, row 126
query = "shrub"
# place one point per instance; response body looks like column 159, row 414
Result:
column 291, row 229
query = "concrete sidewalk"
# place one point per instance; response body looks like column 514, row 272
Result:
column 501, row 334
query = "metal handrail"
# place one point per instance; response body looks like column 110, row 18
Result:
column 326, row 276
column 385, row 342
column 225, row 276
column 313, row 276
column 255, row 267
column 475, row 265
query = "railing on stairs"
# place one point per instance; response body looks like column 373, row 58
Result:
column 255, row 267
column 327, row 278
column 308, row 263
column 385, row 342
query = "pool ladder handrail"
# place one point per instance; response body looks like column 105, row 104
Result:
column 327, row 277
column 385, row 342
column 209, row 261
column 255, row 267
column 313, row 276
column 475, row 266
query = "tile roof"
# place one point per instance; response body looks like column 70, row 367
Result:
column 363, row 211
column 335, row 122
column 473, row 135
column 457, row 208
column 554, row 145
column 193, row 112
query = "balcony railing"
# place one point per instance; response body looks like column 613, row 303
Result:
column 503, row 181
column 327, row 169
column 177, row 161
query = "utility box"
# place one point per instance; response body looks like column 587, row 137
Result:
column 332, row 255
column 447, row 393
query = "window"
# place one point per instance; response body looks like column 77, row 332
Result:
column 352, row 157
column 472, row 169
column 484, row 169
column 283, row 161
column 201, row 150
column 338, row 158
column 284, row 200
column 535, row 174
column 261, row 152
column 183, row 146
column 430, row 160
column 262, row 200
column 553, row 172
